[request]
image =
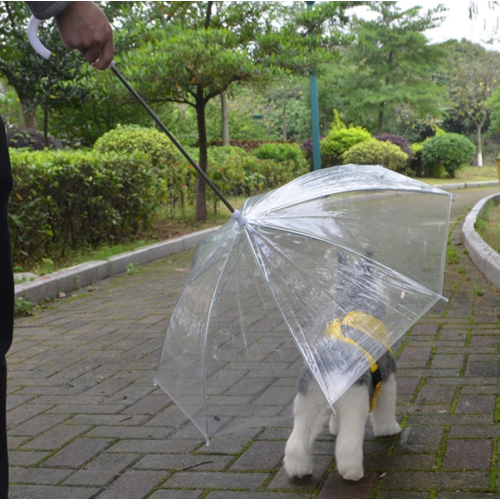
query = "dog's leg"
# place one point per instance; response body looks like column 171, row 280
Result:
column 334, row 424
column 353, row 409
column 311, row 413
column 384, row 414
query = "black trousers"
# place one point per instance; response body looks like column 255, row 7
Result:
column 6, row 302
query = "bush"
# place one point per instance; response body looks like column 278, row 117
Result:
column 397, row 140
column 282, row 153
column 374, row 152
column 170, row 165
column 132, row 138
column 31, row 139
column 340, row 140
column 73, row 200
column 448, row 151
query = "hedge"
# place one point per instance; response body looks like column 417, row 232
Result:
column 71, row 200
column 375, row 152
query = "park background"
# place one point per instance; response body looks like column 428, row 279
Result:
column 412, row 86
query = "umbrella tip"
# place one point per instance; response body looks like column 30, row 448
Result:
column 238, row 217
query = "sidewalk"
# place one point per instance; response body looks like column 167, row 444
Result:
column 85, row 420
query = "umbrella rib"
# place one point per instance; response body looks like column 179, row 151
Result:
column 383, row 266
column 320, row 196
column 212, row 302
column 299, row 346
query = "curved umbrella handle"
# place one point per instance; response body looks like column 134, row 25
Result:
column 34, row 40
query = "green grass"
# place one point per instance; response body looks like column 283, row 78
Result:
column 488, row 225
column 467, row 174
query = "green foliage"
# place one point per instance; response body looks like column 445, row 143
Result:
column 173, row 170
column 70, row 200
column 374, row 152
column 132, row 138
column 388, row 69
column 340, row 140
column 448, row 151
column 282, row 153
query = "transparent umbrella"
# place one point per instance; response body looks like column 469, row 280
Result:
column 359, row 244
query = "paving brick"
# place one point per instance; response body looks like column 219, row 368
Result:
column 468, row 454
column 429, row 329
column 134, row 484
column 41, row 491
column 261, row 455
column 419, row 440
column 469, row 403
column 436, row 480
column 78, row 452
column 225, row 480
column 55, row 438
column 336, row 487
column 102, row 470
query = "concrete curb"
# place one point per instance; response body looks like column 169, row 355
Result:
column 76, row 277
column 465, row 185
column 483, row 256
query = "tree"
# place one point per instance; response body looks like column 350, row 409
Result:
column 472, row 74
column 192, row 54
column 390, row 66
column 34, row 79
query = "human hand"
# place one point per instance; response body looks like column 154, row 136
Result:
column 85, row 27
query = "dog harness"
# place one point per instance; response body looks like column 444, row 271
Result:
column 370, row 326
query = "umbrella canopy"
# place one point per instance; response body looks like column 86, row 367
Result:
column 361, row 245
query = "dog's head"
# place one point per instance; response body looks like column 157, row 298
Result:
column 358, row 285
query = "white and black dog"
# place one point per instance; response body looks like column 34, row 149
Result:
column 355, row 281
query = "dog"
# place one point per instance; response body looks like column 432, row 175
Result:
column 372, row 396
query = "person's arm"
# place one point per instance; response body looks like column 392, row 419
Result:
column 46, row 10
column 82, row 26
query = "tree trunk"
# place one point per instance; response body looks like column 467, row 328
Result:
column 225, row 119
column 201, row 190
column 285, row 135
column 479, row 158
column 28, row 112
column 381, row 119
column 45, row 127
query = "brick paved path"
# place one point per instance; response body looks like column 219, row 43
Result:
column 85, row 420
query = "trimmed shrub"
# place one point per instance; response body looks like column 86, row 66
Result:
column 132, row 138
column 281, row 153
column 170, row 165
column 72, row 200
column 340, row 140
column 448, row 151
column 374, row 152
column 397, row 140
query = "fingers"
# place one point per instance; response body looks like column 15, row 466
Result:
column 106, row 56
column 83, row 26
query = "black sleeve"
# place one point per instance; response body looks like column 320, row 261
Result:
column 46, row 10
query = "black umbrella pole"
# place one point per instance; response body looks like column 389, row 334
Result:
column 171, row 137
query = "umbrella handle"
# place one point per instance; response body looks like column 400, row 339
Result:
column 35, row 42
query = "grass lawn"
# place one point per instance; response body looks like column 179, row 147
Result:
column 488, row 225
column 468, row 174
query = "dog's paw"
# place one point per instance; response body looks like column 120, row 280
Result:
column 295, row 467
column 351, row 473
column 388, row 429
